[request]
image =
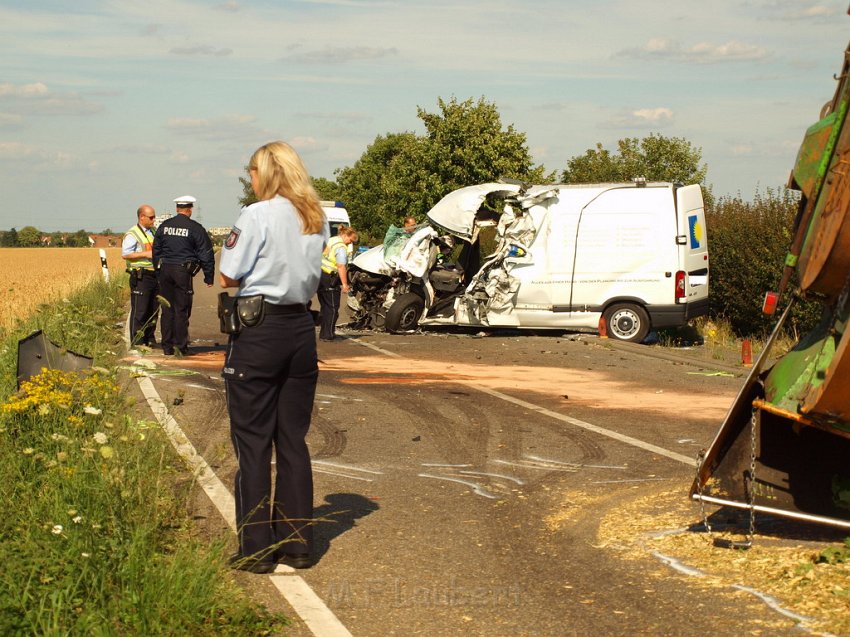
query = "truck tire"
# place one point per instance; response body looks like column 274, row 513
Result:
column 404, row 314
column 627, row 322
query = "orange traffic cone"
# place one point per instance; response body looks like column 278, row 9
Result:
column 603, row 328
column 746, row 353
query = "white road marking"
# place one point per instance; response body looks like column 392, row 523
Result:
column 309, row 606
column 336, row 465
column 542, row 467
column 476, row 488
column 634, row 442
column 492, row 475
column 340, row 474
column 573, row 464
column 304, row 601
column 213, row 487
column 450, row 466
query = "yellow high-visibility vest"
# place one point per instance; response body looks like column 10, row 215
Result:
column 329, row 264
column 145, row 243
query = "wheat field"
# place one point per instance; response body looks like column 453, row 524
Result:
column 32, row 276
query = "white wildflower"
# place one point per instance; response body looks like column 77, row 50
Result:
column 100, row 438
column 93, row 411
column 77, row 519
column 57, row 529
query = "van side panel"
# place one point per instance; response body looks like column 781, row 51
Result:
column 626, row 248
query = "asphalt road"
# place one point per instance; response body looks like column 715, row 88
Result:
column 464, row 481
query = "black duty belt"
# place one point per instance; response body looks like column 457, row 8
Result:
column 295, row 308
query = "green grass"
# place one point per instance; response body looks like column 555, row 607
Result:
column 95, row 538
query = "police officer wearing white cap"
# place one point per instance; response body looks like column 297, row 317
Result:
column 181, row 249
column 271, row 366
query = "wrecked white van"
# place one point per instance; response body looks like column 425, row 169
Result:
column 634, row 255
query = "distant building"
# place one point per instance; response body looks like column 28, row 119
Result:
column 160, row 218
column 104, row 240
column 220, row 231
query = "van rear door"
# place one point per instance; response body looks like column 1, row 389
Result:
column 693, row 248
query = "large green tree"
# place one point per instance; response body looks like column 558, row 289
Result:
column 657, row 158
column 402, row 174
column 29, row 237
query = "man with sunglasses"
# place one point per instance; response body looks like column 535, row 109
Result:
column 137, row 250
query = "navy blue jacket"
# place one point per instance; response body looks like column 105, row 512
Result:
column 182, row 240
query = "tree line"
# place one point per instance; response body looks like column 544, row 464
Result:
column 32, row 237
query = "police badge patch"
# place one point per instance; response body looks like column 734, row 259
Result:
column 232, row 238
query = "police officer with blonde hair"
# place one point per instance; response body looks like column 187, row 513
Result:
column 273, row 255
column 137, row 251
column 334, row 281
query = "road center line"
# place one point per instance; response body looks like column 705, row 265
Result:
column 634, row 442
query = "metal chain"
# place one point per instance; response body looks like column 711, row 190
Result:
column 754, row 420
column 706, row 524
column 751, row 496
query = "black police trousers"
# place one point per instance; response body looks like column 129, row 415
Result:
column 329, row 294
column 143, row 307
column 175, row 285
column 270, row 374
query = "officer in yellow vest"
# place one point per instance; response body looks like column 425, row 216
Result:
column 137, row 251
column 334, row 279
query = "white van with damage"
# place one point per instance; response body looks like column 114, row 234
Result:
column 630, row 257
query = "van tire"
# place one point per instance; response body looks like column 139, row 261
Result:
column 405, row 313
column 627, row 322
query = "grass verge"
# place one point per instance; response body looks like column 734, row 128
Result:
column 95, row 539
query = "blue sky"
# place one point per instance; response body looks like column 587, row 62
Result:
column 115, row 103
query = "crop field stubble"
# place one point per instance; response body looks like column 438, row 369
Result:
column 36, row 275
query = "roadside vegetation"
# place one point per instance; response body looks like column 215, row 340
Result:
column 96, row 537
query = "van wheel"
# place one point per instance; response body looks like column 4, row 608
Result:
column 627, row 322
column 404, row 314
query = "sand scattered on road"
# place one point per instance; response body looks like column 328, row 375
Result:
column 785, row 568
column 580, row 388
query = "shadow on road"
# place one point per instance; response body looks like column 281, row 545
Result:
column 337, row 515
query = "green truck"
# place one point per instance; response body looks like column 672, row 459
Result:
column 784, row 446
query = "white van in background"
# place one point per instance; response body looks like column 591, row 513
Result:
column 632, row 257
column 336, row 214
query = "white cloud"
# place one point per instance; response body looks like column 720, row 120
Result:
column 230, row 5
column 740, row 150
column 140, row 149
column 642, row 118
column 202, row 49
column 38, row 99
column 10, row 120
column 23, row 91
column 307, row 145
column 341, row 55
column 700, row 53
column 227, row 128
column 36, row 157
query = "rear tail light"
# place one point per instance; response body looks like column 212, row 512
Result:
column 680, row 284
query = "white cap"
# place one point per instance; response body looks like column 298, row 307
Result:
column 185, row 200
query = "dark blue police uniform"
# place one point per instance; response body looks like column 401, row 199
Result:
column 181, row 247
column 270, row 372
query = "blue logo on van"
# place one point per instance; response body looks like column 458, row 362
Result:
column 696, row 232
